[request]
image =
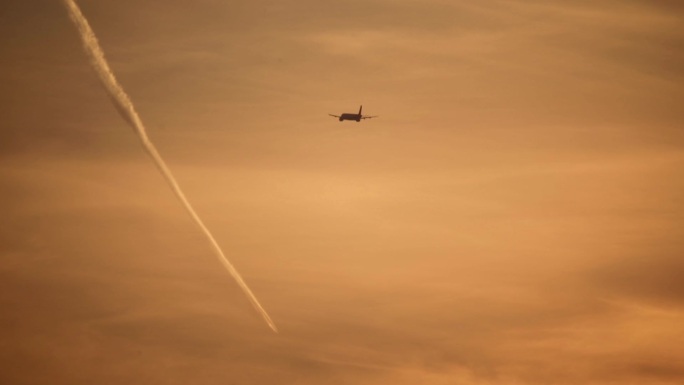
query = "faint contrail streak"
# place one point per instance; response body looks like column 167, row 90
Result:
column 125, row 107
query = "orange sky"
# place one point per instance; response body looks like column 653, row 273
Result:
column 514, row 216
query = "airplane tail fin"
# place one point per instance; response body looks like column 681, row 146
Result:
column 360, row 108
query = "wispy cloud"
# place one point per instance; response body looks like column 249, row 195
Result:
column 122, row 102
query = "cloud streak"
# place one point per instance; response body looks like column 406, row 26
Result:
column 125, row 107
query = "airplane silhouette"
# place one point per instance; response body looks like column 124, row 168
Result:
column 350, row 116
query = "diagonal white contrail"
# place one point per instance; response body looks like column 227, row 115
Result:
column 125, row 107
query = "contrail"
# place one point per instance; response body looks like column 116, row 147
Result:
column 125, row 107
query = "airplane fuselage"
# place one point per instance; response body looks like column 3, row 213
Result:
column 347, row 116
column 355, row 117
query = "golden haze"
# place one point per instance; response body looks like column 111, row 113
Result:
column 514, row 216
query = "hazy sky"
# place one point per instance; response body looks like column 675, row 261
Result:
column 514, row 216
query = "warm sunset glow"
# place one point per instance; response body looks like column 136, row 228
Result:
column 513, row 216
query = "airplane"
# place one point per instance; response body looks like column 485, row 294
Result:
column 349, row 116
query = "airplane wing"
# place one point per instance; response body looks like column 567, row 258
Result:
column 369, row 117
column 337, row 116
